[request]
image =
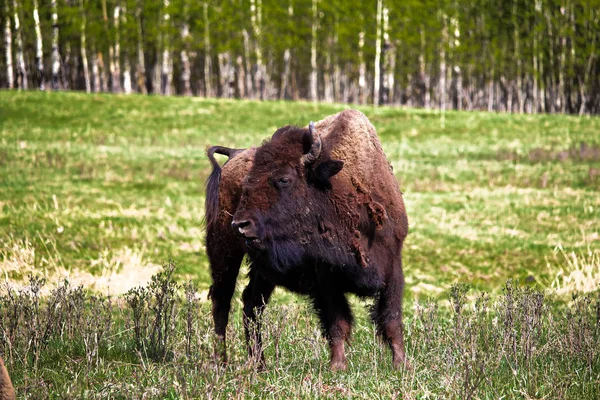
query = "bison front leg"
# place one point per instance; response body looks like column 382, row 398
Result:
column 224, row 270
column 255, row 297
column 336, row 321
column 387, row 315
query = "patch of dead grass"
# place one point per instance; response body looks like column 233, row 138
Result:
column 119, row 270
column 578, row 272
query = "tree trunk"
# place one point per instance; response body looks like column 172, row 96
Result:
column 95, row 70
column 345, row 85
column 256, row 20
column 337, row 73
column 456, row 67
column 21, row 71
column 314, row 94
column 518, row 59
column 115, row 62
column 377, row 74
column 572, row 34
column 362, row 69
column 84, row 60
column 327, row 79
column 156, row 68
column 66, row 68
column 241, row 77
column 443, row 91
column 111, row 52
column 588, row 69
column 166, row 70
column 389, row 60
column 55, row 50
column 225, row 74
column 8, row 47
column 550, row 85
column 561, row 65
column 39, row 50
column 103, row 72
column 207, row 59
column 423, row 71
column 186, row 72
column 287, row 61
column 247, row 50
column 141, row 61
column 126, row 63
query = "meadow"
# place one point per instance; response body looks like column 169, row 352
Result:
column 103, row 190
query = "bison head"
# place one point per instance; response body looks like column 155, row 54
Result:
column 284, row 205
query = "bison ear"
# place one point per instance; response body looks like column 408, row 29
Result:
column 326, row 170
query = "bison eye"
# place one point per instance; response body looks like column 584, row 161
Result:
column 284, row 181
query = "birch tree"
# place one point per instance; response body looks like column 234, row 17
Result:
column 442, row 89
column 84, row 60
column 184, row 54
column 314, row 95
column 39, row 50
column 96, row 78
column 126, row 63
column 167, row 64
column 207, row 54
column 21, row 70
column 141, row 62
column 362, row 69
column 389, row 63
column 115, row 62
column 8, row 47
column 55, row 49
column 377, row 74
column 256, row 20
column 287, row 61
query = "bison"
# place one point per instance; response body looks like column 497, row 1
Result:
column 318, row 211
column 7, row 391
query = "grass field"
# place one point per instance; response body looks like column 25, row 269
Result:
column 104, row 189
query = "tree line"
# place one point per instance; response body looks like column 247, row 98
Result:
column 524, row 56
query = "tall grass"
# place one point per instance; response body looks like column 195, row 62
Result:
column 156, row 342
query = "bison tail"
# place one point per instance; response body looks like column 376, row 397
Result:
column 211, row 205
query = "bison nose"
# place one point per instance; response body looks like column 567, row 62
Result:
column 242, row 228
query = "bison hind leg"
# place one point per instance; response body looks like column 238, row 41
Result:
column 387, row 316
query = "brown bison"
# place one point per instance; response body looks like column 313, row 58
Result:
column 7, row 391
column 319, row 212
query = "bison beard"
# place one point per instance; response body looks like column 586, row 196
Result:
column 318, row 211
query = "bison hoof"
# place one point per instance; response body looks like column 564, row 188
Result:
column 402, row 364
column 338, row 365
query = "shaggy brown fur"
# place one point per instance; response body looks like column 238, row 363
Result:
column 7, row 391
column 313, row 226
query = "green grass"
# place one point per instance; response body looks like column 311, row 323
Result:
column 86, row 176
column 106, row 188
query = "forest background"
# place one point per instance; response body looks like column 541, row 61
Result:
column 517, row 56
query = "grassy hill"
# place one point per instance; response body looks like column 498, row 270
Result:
column 101, row 181
column 104, row 189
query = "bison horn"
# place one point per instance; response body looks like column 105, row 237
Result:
column 315, row 148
